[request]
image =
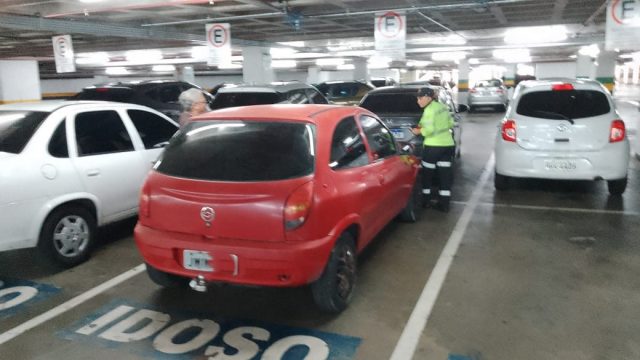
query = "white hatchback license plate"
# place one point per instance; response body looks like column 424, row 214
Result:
column 560, row 165
column 197, row 260
column 397, row 133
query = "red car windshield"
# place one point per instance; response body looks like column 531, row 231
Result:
column 241, row 151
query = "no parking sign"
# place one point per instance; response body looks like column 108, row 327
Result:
column 63, row 53
column 219, row 44
column 390, row 34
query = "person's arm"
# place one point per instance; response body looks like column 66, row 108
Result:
column 427, row 122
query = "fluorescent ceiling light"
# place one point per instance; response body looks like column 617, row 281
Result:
column 199, row 52
column 592, row 50
column 292, row 43
column 90, row 1
column 535, row 34
column 281, row 52
column 283, row 64
column 116, row 70
column 513, row 55
column 474, row 61
column 230, row 66
column 346, row 67
column 163, row 68
column 451, row 39
column 362, row 53
column 143, row 56
column 100, row 58
column 448, row 56
column 330, row 62
column 418, row 63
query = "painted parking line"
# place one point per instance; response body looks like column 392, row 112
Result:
column 62, row 308
column 152, row 333
column 408, row 342
column 17, row 294
column 560, row 209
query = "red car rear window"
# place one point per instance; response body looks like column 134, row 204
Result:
column 241, row 151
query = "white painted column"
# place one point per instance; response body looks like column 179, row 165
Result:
column 256, row 67
column 605, row 69
column 625, row 74
column 463, row 81
column 185, row 73
column 313, row 75
column 361, row 72
column 19, row 81
column 584, row 67
column 410, row 75
column 635, row 79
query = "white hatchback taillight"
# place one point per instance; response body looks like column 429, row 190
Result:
column 508, row 130
column 297, row 206
column 617, row 131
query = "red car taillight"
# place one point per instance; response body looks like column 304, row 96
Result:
column 297, row 206
column 617, row 131
column 145, row 203
column 508, row 130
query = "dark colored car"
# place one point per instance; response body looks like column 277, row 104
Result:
column 161, row 95
column 275, row 93
column 274, row 195
column 344, row 92
column 383, row 81
column 398, row 108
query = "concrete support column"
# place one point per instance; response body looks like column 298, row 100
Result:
column 510, row 75
column 185, row 73
column 463, row 81
column 410, row 75
column 19, row 81
column 360, row 72
column 313, row 75
column 584, row 67
column 625, row 74
column 605, row 69
column 256, row 67
column 635, row 79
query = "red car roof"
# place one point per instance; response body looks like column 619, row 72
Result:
column 289, row 112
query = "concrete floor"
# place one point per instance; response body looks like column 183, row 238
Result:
column 545, row 270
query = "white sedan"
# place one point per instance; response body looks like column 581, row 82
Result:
column 67, row 167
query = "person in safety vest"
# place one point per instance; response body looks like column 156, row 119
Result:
column 435, row 126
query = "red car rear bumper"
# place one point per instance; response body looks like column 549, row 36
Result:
column 237, row 261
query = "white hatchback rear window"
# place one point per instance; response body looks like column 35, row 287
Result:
column 565, row 104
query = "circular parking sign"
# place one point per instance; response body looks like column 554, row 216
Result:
column 218, row 36
column 61, row 46
column 390, row 24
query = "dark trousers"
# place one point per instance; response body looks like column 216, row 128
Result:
column 437, row 161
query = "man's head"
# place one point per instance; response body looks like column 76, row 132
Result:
column 425, row 96
column 193, row 101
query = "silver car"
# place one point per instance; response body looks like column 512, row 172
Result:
column 490, row 93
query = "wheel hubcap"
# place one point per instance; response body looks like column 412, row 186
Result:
column 71, row 236
column 346, row 272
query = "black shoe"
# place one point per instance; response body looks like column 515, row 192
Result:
column 426, row 201
column 443, row 206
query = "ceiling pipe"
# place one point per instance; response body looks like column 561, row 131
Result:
column 439, row 24
column 342, row 14
column 86, row 11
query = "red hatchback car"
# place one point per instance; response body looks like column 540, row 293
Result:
column 274, row 195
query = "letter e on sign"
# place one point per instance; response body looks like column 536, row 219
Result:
column 218, row 36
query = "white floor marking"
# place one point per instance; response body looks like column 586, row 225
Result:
column 406, row 346
column 555, row 208
column 62, row 308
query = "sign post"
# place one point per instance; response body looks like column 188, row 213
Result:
column 390, row 34
column 219, row 44
column 623, row 25
column 63, row 54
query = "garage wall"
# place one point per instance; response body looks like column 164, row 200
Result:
column 19, row 81
column 555, row 69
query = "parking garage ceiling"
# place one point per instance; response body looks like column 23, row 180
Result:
column 174, row 25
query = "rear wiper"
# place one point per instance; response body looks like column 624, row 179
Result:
column 551, row 113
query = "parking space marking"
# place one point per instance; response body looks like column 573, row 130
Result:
column 155, row 333
column 15, row 294
column 408, row 342
column 62, row 308
column 561, row 209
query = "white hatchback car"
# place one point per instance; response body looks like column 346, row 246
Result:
column 67, row 167
column 563, row 129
